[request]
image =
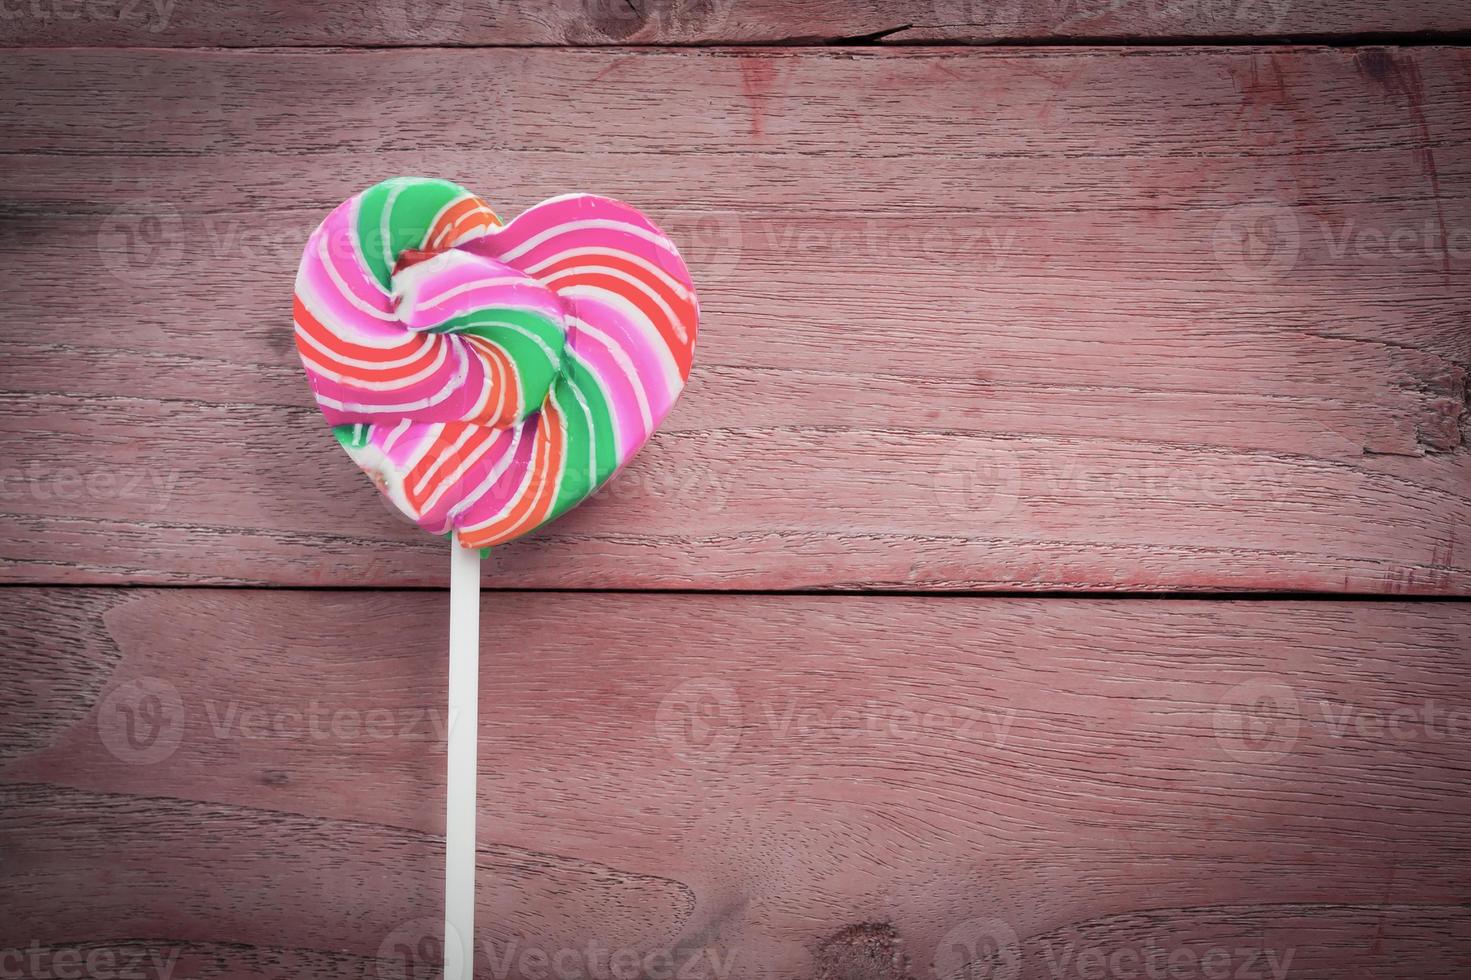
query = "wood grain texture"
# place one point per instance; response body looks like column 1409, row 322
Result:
column 1151, row 319
column 873, row 787
column 234, row 23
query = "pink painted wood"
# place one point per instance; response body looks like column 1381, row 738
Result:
column 877, row 787
column 157, row 23
column 1161, row 318
column 1025, row 319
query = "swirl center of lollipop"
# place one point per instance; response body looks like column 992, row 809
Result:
column 496, row 318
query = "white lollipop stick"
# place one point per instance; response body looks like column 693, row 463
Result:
column 459, row 796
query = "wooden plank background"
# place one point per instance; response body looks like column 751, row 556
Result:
column 1100, row 297
column 1268, row 779
column 242, row 23
column 972, row 319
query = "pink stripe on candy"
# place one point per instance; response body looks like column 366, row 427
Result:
column 493, row 501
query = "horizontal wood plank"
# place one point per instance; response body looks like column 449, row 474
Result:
column 1150, row 319
column 801, row 786
column 234, row 23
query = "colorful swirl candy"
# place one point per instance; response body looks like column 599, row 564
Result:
column 489, row 377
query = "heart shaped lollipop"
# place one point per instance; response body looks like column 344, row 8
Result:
column 489, row 377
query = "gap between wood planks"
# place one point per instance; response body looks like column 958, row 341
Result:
column 876, row 41
column 1080, row 594
column 886, row 39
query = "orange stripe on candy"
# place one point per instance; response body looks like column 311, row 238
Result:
column 556, row 455
column 533, row 506
column 503, row 380
column 480, row 220
column 470, row 213
column 447, row 221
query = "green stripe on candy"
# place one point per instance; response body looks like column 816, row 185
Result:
column 411, row 204
column 507, row 329
column 589, row 429
column 354, row 435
